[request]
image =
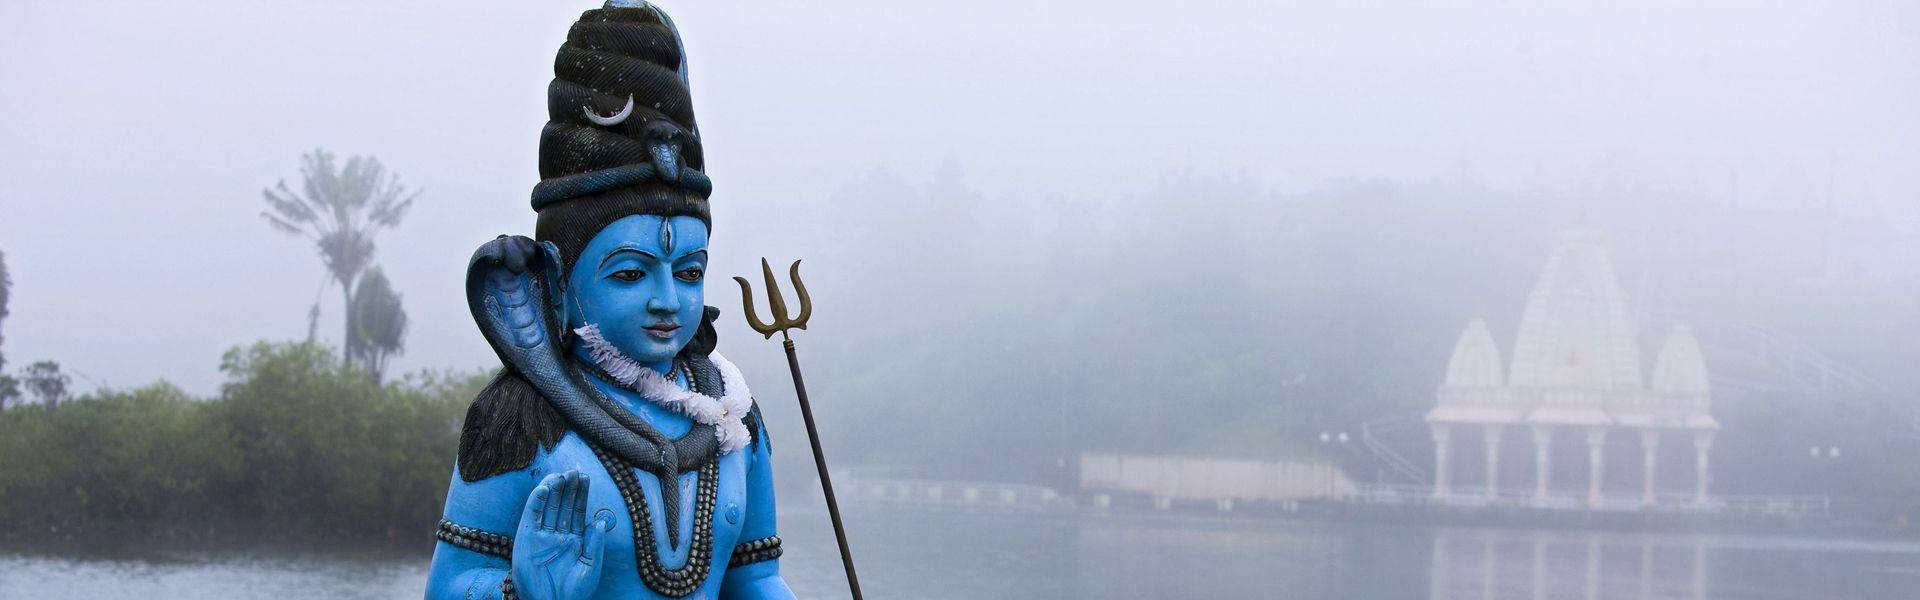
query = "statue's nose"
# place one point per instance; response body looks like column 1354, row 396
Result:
column 663, row 303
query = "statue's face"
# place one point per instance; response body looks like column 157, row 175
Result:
column 641, row 280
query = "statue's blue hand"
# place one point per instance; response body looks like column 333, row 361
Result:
column 556, row 552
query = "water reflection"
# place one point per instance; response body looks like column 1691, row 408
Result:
column 1164, row 557
column 1566, row 565
column 939, row 555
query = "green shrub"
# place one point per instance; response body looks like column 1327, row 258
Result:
column 297, row 442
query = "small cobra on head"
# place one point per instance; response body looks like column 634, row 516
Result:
column 616, row 119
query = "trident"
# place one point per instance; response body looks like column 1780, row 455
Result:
column 782, row 322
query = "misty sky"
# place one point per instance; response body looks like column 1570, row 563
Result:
column 135, row 137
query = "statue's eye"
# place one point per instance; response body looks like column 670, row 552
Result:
column 628, row 275
column 690, row 274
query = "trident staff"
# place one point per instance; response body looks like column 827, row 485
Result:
column 781, row 323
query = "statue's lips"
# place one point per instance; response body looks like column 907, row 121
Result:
column 662, row 330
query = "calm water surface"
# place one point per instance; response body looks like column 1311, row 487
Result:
column 910, row 553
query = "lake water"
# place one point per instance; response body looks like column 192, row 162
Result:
column 915, row 553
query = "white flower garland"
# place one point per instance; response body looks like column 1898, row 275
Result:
column 724, row 413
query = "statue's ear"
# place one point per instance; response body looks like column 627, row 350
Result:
column 553, row 270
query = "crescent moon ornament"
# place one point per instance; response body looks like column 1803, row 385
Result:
column 616, row 119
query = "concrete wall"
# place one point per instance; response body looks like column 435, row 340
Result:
column 1193, row 478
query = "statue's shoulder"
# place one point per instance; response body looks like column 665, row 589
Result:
column 507, row 425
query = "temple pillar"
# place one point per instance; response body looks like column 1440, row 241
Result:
column 1649, row 449
column 1442, row 460
column 1702, row 444
column 1542, row 460
column 1492, row 433
column 1596, row 462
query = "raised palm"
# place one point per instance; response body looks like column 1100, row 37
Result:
column 556, row 552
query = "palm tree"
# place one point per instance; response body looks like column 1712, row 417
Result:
column 9, row 387
column 5, row 286
column 380, row 321
column 340, row 209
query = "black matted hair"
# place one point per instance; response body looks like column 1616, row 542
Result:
column 646, row 159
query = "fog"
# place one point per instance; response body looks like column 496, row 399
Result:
column 1033, row 229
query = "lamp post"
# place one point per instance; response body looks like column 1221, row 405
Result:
column 1332, row 437
column 1292, row 400
column 1825, row 459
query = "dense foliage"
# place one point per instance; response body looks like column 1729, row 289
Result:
column 298, row 442
column 1212, row 316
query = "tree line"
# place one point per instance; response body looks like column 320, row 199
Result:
column 298, row 443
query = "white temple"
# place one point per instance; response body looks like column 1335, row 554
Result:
column 1576, row 372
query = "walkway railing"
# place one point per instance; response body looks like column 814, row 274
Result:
column 1370, row 435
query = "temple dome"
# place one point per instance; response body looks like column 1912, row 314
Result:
column 1476, row 360
column 1680, row 369
column 1577, row 331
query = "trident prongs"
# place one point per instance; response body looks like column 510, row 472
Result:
column 781, row 321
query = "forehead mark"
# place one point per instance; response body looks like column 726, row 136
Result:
column 666, row 235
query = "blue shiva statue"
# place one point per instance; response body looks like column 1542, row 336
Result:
column 617, row 455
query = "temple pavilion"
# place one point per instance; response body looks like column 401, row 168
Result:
column 1575, row 376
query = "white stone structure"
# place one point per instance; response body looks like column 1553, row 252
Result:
column 1575, row 372
column 1222, row 481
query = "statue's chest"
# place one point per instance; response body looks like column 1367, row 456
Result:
column 670, row 544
